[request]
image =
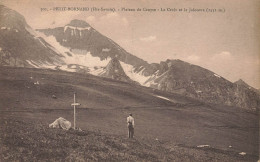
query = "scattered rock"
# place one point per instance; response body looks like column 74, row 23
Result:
column 78, row 129
column 230, row 146
column 61, row 123
column 242, row 153
column 201, row 146
column 54, row 97
column 172, row 149
column 37, row 83
column 124, row 145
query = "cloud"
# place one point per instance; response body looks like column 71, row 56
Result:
column 91, row 19
column 148, row 39
column 125, row 21
column 111, row 15
column 114, row 19
column 222, row 55
column 51, row 20
column 109, row 20
column 112, row 25
column 222, row 60
column 193, row 58
column 225, row 53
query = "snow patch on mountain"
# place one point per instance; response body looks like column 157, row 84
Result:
column 86, row 60
column 150, row 82
column 52, row 40
column 31, row 31
column 79, row 57
column 97, row 71
column 74, row 28
column 106, row 50
column 165, row 98
column 217, row 75
column 32, row 63
column 41, row 42
column 40, row 64
column 65, row 68
column 138, row 77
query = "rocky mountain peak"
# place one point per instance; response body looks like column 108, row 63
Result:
column 11, row 19
column 20, row 44
column 242, row 83
column 115, row 71
column 78, row 23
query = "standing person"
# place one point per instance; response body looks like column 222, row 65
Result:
column 130, row 125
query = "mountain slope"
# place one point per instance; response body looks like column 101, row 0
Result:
column 242, row 83
column 83, row 45
column 80, row 37
column 20, row 46
column 97, row 92
column 196, row 82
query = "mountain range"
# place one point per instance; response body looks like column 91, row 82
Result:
column 78, row 47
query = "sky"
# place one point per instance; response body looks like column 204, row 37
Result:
column 227, row 42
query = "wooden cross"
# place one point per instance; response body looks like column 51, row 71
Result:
column 74, row 105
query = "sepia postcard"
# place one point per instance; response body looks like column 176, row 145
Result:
column 136, row 80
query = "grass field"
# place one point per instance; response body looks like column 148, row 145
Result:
column 166, row 130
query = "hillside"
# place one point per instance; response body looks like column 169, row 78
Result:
column 38, row 85
column 35, row 141
column 168, row 125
